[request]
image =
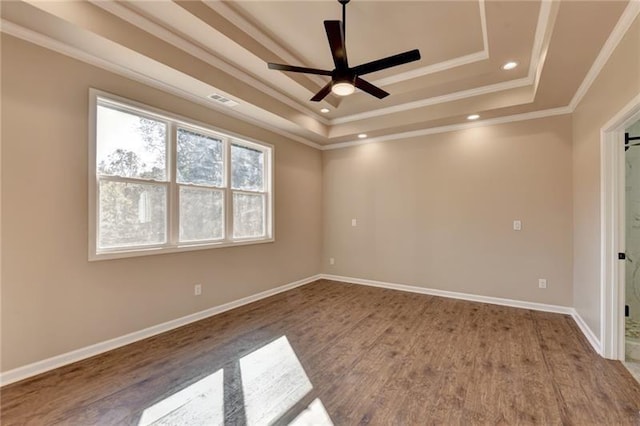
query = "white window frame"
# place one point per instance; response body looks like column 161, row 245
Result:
column 174, row 122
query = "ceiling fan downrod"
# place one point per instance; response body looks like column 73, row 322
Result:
column 344, row 18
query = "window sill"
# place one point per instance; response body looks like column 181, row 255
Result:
column 137, row 252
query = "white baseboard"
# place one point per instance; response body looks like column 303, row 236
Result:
column 588, row 333
column 593, row 340
column 455, row 295
column 39, row 367
column 57, row 361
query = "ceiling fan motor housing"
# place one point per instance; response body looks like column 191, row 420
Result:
column 343, row 76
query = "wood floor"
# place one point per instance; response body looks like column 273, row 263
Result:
column 356, row 354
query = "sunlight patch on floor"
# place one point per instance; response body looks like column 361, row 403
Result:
column 198, row 404
column 273, row 381
column 314, row 415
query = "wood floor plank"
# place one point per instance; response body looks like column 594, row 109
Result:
column 388, row 353
column 582, row 380
column 366, row 355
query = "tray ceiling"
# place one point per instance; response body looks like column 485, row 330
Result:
column 196, row 48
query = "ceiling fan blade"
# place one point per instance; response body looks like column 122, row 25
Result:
column 388, row 62
column 292, row 68
column 370, row 88
column 335, row 35
column 322, row 93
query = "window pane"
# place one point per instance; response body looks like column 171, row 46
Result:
column 201, row 214
column 200, row 159
column 132, row 214
column 247, row 168
column 128, row 145
column 248, row 215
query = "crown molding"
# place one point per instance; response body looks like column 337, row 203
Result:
column 433, row 68
column 445, row 65
column 451, row 128
column 57, row 46
column 544, row 18
column 535, row 64
column 62, row 48
column 483, row 25
column 627, row 18
column 226, row 10
column 170, row 37
column 137, row 19
column 624, row 23
column 476, row 91
column 544, row 29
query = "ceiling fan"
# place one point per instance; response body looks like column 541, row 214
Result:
column 345, row 79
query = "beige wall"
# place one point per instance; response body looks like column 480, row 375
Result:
column 53, row 299
column 616, row 85
column 434, row 211
column 437, row 211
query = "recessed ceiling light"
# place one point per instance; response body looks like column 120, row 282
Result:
column 509, row 65
column 473, row 117
column 324, row 110
column 362, row 135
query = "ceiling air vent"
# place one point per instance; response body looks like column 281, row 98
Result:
column 222, row 100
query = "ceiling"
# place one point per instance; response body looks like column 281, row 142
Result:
column 196, row 48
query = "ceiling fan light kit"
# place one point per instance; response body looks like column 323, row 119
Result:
column 343, row 88
column 345, row 79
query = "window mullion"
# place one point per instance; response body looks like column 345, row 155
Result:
column 268, row 196
column 124, row 179
column 228, row 192
column 174, row 207
column 244, row 191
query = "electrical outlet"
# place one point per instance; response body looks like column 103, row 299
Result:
column 332, row 261
column 517, row 225
column 354, row 222
column 542, row 283
column 197, row 289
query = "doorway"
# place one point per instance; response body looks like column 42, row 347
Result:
column 632, row 249
column 613, row 233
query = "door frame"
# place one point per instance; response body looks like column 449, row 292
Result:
column 612, row 217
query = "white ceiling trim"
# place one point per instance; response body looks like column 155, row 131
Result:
column 443, row 66
column 626, row 20
column 629, row 15
column 443, row 129
column 241, row 22
column 220, row 7
column 483, row 24
column 484, row 90
column 433, row 68
column 75, row 53
column 541, row 42
column 237, row 19
column 164, row 34
column 544, row 17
